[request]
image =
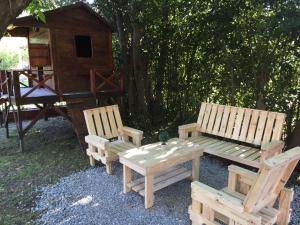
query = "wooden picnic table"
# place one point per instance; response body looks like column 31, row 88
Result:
column 159, row 165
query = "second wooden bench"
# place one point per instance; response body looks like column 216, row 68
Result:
column 239, row 134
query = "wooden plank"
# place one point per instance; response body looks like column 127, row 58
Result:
column 238, row 124
column 233, row 158
column 90, row 122
column 112, row 121
column 245, row 125
column 249, row 152
column 231, row 121
column 224, row 121
column 218, row 120
column 98, row 123
column 104, row 118
column 168, row 182
column 241, row 150
column 252, row 126
column 199, row 139
column 117, row 116
column 212, row 118
column 254, row 156
column 234, row 149
column 260, row 127
column 206, row 117
column 269, row 126
column 277, row 131
column 223, row 148
column 139, row 184
column 216, row 145
column 201, row 113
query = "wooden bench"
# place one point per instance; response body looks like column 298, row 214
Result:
column 250, row 198
column 104, row 125
column 239, row 134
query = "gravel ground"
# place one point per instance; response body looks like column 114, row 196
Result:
column 93, row 197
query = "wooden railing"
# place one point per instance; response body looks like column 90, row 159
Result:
column 101, row 81
column 35, row 82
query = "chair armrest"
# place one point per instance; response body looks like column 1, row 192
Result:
column 242, row 176
column 137, row 135
column 270, row 149
column 211, row 197
column 184, row 130
column 97, row 141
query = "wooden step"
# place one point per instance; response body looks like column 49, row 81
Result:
column 161, row 180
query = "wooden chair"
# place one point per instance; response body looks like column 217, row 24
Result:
column 104, row 124
column 250, row 198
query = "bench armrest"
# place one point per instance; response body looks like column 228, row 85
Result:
column 270, row 149
column 137, row 135
column 238, row 175
column 97, row 141
column 184, row 130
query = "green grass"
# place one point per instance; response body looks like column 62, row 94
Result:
column 51, row 151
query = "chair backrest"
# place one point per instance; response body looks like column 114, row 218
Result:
column 242, row 124
column 103, row 121
column 271, row 179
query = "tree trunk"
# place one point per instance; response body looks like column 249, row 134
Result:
column 10, row 9
column 157, row 107
column 125, row 54
column 139, row 67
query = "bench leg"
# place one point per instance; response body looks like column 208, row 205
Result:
column 127, row 177
column 92, row 161
column 109, row 167
column 149, row 195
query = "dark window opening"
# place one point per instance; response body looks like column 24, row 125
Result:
column 83, row 46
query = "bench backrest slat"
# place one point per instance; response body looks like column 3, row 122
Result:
column 242, row 124
column 103, row 121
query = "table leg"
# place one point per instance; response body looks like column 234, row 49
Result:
column 149, row 195
column 195, row 169
column 127, row 177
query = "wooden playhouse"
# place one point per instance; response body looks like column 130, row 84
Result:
column 71, row 61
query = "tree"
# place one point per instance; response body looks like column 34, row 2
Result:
column 9, row 11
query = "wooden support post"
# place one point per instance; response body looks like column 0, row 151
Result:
column 127, row 177
column 93, row 82
column 20, row 128
column 46, row 114
column 149, row 195
column 7, row 106
column 195, row 169
column 232, row 181
column 109, row 167
column 93, row 149
column 285, row 199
